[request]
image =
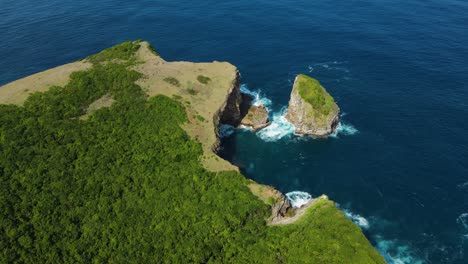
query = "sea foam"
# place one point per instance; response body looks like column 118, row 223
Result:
column 396, row 252
column 279, row 128
column 344, row 129
column 298, row 199
column 256, row 95
column 357, row 219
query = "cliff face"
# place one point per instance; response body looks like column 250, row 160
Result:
column 311, row 109
column 230, row 112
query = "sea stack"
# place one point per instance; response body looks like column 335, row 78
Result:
column 311, row 108
column 256, row 117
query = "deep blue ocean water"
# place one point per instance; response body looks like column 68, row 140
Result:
column 398, row 69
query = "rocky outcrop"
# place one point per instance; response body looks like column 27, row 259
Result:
column 256, row 117
column 281, row 209
column 311, row 109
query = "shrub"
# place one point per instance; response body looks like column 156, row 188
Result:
column 203, row 79
column 192, row 91
column 122, row 51
column 172, row 80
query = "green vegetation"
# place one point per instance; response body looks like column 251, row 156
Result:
column 322, row 235
column 172, row 80
column 126, row 186
column 200, row 118
column 192, row 91
column 203, row 79
column 122, row 51
column 313, row 93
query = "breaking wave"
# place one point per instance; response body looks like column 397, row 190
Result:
column 357, row 219
column 298, row 199
column 256, row 95
column 279, row 128
column 344, row 129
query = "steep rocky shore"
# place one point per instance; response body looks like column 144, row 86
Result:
column 230, row 111
column 311, row 108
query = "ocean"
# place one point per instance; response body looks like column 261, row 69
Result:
column 398, row 166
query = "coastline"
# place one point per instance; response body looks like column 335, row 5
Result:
column 206, row 101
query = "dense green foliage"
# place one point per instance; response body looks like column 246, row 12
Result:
column 126, row 186
column 323, row 235
column 123, row 51
column 312, row 92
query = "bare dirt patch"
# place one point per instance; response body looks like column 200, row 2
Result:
column 104, row 101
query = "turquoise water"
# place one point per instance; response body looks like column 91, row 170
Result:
column 398, row 70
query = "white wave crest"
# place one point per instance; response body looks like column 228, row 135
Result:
column 298, row 199
column 226, row 130
column 357, row 219
column 279, row 128
column 257, row 98
column 344, row 129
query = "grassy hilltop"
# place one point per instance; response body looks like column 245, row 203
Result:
column 314, row 94
column 108, row 161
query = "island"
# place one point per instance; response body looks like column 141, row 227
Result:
column 311, row 108
column 113, row 159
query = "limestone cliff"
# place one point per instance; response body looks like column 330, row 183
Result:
column 311, row 109
column 230, row 113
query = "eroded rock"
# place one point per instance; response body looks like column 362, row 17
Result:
column 311, row 108
column 256, row 117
